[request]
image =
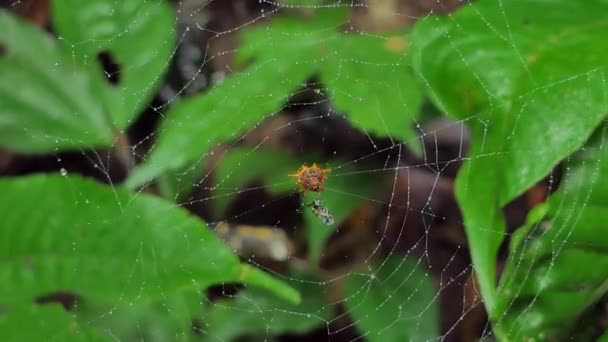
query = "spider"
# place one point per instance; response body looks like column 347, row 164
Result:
column 322, row 212
column 311, row 177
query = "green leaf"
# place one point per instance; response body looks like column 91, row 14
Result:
column 137, row 34
column 604, row 337
column 345, row 190
column 286, row 52
column 196, row 125
column 511, row 82
column 394, row 302
column 44, row 323
column 252, row 312
column 368, row 79
column 292, row 36
column 106, row 244
column 169, row 319
column 558, row 265
column 47, row 101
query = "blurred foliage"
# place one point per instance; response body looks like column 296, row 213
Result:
column 92, row 27
column 284, row 54
column 345, row 189
column 166, row 319
column 79, row 247
column 47, row 322
column 75, row 107
column 108, row 245
column 528, row 77
column 254, row 313
column 54, row 107
column 241, row 166
column 558, row 267
column 395, row 301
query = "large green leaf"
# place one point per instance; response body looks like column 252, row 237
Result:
column 137, row 34
column 558, row 263
column 253, row 312
column 395, row 302
column 368, row 79
column 48, row 103
column 532, row 89
column 44, row 323
column 104, row 243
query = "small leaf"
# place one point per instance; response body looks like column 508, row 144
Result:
column 48, row 104
column 253, row 312
column 137, row 36
column 43, row 323
column 107, row 244
column 368, row 79
column 394, row 302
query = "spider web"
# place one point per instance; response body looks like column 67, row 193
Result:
column 411, row 217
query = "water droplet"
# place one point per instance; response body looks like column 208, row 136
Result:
column 63, row 172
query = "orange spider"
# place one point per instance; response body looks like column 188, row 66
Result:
column 311, row 177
